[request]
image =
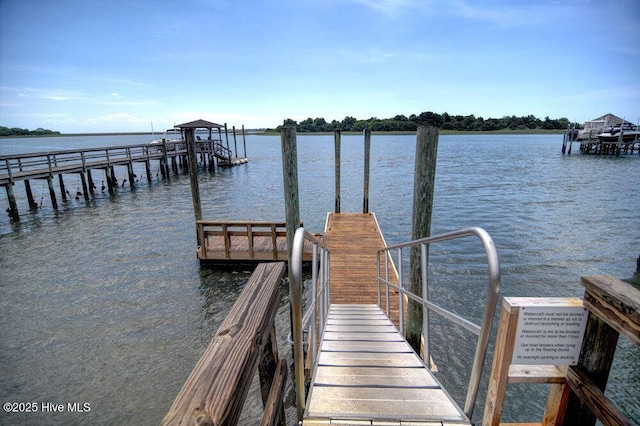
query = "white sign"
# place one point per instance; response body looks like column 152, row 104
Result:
column 549, row 335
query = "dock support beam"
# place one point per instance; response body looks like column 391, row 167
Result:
column 367, row 156
column 63, row 190
column 13, row 206
column 52, row 193
column 27, row 187
column 92, row 186
column 337, row 137
column 423, row 188
column 244, row 143
column 192, row 162
column 85, row 190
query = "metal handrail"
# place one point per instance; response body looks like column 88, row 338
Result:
column 482, row 331
column 317, row 308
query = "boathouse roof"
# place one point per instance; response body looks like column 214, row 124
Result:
column 199, row 124
column 609, row 120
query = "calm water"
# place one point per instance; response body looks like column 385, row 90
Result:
column 105, row 302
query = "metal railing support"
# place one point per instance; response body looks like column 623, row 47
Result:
column 317, row 308
column 482, row 331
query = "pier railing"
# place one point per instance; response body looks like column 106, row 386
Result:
column 394, row 255
column 39, row 164
column 313, row 320
column 216, row 389
column 242, row 240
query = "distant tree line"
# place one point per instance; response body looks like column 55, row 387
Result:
column 444, row 121
column 16, row 131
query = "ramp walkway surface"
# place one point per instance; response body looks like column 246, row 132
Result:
column 368, row 374
column 353, row 240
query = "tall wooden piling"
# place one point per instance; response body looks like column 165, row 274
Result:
column 226, row 137
column 337, row 137
column 235, row 142
column 244, row 143
column 367, row 156
column 423, row 189
column 193, row 176
column 290, row 178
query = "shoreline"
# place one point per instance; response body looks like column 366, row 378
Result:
column 275, row 132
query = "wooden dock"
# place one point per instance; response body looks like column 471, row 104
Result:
column 243, row 241
column 353, row 240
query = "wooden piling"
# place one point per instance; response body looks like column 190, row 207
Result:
column 130, row 173
column 193, row 176
column 367, row 156
column 85, row 190
column 63, row 191
column 235, row 142
column 13, row 206
column 290, row 178
column 52, row 194
column 423, row 189
column 244, row 143
column 27, row 187
column 337, row 137
column 110, row 182
column 90, row 181
column 226, row 137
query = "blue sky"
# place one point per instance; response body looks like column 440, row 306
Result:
column 110, row 66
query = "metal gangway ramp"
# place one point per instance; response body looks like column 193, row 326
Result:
column 362, row 370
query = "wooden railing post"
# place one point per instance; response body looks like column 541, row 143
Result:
column 614, row 309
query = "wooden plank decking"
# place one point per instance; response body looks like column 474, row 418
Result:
column 244, row 241
column 353, row 240
column 367, row 372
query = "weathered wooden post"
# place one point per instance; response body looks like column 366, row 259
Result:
column 613, row 309
column 337, row 137
column 367, row 156
column 164, row 164
column 63, row 192
column 226, row 136
column 423, row 189
column 54, row 202
column 13, row 206
column 235, row 142
column 90, row 181
column 27, row 187
column 244, row 143
column 192, row 162
column 85, row 189
column 290, row 179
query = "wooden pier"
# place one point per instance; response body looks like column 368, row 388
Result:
column 171, row 156
column 354, row 240
column 242, row 241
